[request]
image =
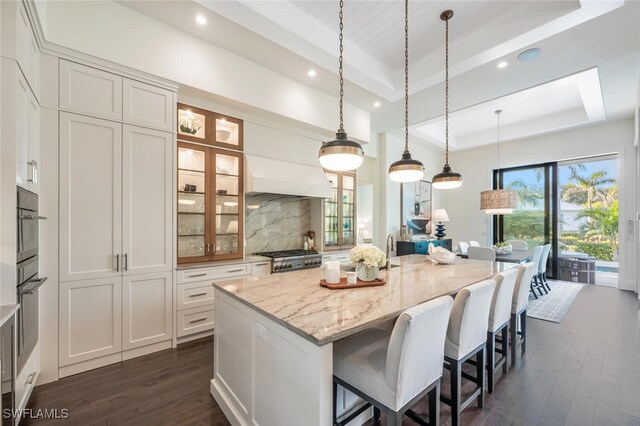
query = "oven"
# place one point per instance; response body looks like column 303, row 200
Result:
column 28, row 224
column 28, row 284
column 27, row 279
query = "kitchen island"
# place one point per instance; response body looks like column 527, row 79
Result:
column 273, row 341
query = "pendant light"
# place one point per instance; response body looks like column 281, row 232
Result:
column 498, row 201
column 341, row 154
column 447, row 178
column 406, row 169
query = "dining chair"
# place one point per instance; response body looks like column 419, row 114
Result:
column 542, row 268
column 518, row 244
column 474, row 243
column 393, row 370
column 499, row 317
column 536, row 254
column 463, row 247
column 519, row 305
column 481, row 253
column 466, row 338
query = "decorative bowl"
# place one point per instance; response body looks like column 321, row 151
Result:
column 503, row 249
column 223, row 135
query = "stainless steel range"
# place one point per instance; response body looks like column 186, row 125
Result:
column 291, row 260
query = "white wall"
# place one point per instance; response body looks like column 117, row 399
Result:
column 476, row 166
column 110, row 31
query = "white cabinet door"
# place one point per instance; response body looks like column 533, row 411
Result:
column 147, row 105
column 90, row 198
column 90, row 91
column 21, row 101
column 147, row 200
column 90, row 319
column 32, row 70
column 33, row 142
column 146, row 309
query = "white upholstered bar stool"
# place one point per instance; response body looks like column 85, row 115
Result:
column 481, row 253
column 463, row 247
column 466, row 337
column 499, row 317
column 474, row 244
column 518, row 244
column 393, row 370
column 519, row 305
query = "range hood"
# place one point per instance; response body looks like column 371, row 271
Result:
column 266, row 175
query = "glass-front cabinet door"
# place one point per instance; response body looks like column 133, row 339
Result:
column 193, row 197
column 210, row 199
column 340, row 212
column 228, row 204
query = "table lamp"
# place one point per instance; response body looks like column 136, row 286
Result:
column 440, row 215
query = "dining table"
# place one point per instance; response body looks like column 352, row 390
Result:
column 516, row 256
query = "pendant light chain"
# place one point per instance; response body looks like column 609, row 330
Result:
column 406, row 76
column 446, row 91
column 498, row 112
column 340, row 66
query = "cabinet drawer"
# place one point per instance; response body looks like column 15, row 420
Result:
column 261, row 269
column 194, row 295
column 422, row 247
column 90, row 91
column 194, row 320
column 218, row 272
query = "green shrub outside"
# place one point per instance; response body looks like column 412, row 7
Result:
column 601, row 251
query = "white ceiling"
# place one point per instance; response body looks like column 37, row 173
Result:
column 563, row 103
column 294, row 36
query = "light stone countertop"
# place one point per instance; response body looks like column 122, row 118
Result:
column 296, row 301
column 212, row 264
column 6, row 311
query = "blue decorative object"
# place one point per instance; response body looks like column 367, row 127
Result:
column 440, row 231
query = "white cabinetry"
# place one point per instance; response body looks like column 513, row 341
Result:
column 18, row 42
column 146, row 309
column 27, row 130
column 261, row 269
column 90, row 198
column 90, row 320
column 147, row 105
column 194, row 297
column 116, row 218
column 90, row 91
column 147, row 200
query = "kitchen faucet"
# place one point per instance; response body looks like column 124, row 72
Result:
column 389, row 248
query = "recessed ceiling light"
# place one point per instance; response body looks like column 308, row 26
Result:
column 376, row 104
column 201, row 20
column 502, row 64
column 311, row 73
column 529, row 54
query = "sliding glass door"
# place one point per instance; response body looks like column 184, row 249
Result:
column 534, row 220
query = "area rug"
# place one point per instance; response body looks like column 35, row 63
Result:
column 554, row 306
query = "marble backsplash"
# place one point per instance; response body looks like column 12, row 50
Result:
column 275, row 222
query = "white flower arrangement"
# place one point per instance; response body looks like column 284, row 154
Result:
column 369, row 256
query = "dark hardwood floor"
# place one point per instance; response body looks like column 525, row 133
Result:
column 583, row 371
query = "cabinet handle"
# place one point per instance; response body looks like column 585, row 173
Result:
column 30, row 378
column 118, row 262
column 198, row 275
column 260, row 264
column 198, row 294
column 32, row 217
column 126, row 262
column 234, row 270
column 33, row 169
column 198, row 320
